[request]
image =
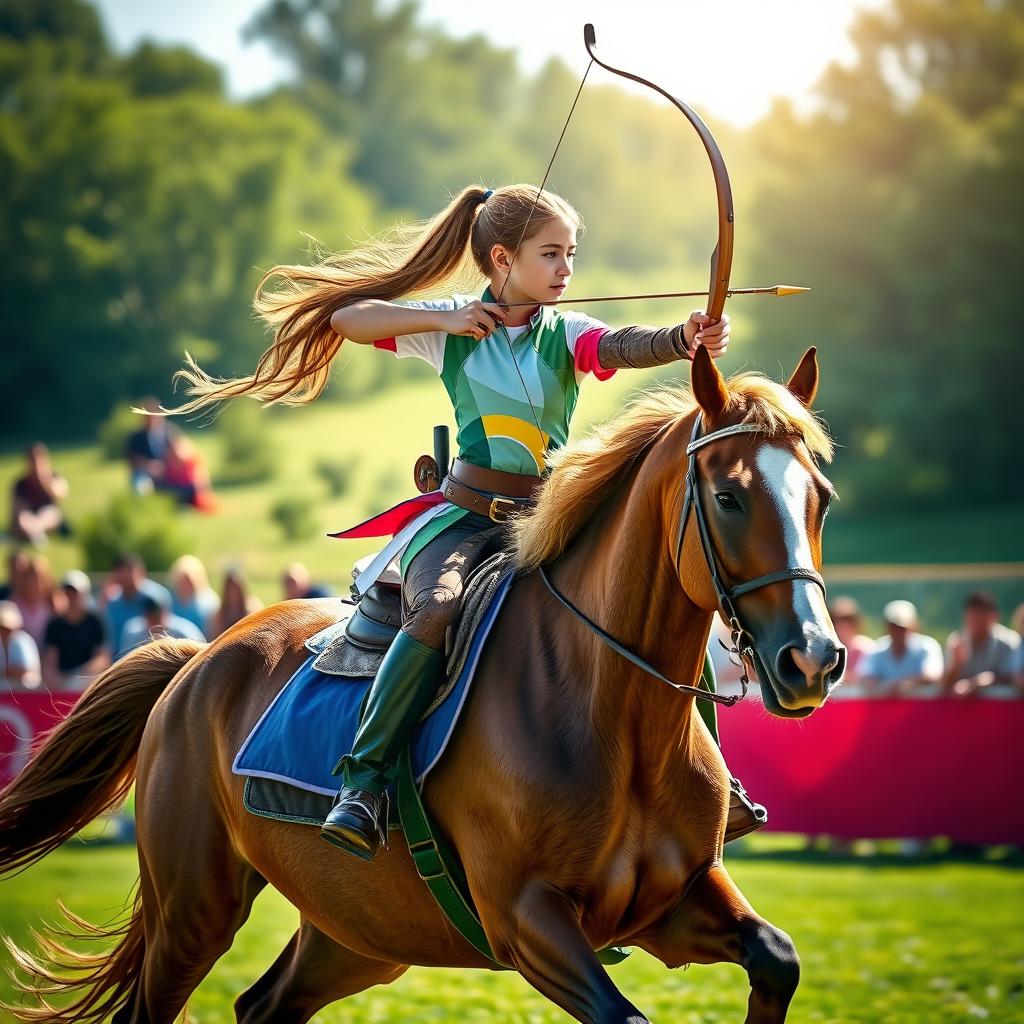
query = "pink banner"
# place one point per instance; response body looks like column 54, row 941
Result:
column 23, row 716
column 876, row 769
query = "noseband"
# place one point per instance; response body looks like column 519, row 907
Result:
column 742, row 639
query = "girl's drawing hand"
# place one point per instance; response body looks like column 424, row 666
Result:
column 699, row 330
column 475, row 320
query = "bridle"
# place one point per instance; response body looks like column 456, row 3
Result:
column 743, row 642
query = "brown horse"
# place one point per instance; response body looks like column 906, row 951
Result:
column 586, row 800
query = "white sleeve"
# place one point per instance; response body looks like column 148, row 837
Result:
column 932, row 662
column 22, row 652
column 577, row 324
column 428, row 345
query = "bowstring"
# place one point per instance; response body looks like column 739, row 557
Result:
column 519, row 245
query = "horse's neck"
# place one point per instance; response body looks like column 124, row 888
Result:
column 619, row 572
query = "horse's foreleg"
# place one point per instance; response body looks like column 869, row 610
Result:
column 714, row 924
column 311, row 972
column 545, row 943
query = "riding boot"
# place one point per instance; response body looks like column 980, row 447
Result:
column 744, row 815
column 406, row 682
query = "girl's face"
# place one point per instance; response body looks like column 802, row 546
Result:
column 541, row 271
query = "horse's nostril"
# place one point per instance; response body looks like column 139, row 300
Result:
column 788, row 669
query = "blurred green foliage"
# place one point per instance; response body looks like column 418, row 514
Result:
column 295, row 516
column 248, row 453
column 147, row 525
column 142, row 204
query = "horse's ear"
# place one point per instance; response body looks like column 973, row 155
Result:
column 707, row 384
column 804, row 382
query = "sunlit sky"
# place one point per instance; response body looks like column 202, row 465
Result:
column 727, row 58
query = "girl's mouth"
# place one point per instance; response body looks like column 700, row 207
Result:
column 559, row 287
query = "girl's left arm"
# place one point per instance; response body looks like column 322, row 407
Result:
column 655, row 346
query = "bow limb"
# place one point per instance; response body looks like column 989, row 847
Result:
column 721, row 258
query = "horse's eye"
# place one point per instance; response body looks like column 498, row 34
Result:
column 727, row 502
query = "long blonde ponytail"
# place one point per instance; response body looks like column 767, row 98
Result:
column 406, row 261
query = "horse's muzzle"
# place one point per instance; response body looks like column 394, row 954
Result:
column 806, row 673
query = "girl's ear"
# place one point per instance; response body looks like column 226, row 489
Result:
column 708, row 384
column 804, row 382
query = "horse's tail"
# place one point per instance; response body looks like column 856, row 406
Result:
column 86, row 764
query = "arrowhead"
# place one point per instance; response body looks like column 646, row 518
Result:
column 789, row 289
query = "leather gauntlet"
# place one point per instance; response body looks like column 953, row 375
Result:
column 642, row 346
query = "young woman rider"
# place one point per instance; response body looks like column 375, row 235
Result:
column 512, row 372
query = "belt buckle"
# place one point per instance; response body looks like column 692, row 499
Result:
column 494, row 511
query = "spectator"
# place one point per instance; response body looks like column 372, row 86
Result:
column 130, row 586
column 297, row 584
column 74, row 649
column 1017, row 625
column 236, row 601
column 19, row 656
column 147, row 448
column 192, row 597
column 17, row 564
column 905, row 659
column 846, row 618
column 185, row 474
column 155, row 620
column 34, row 593
column 36, row 498
column 982, row 653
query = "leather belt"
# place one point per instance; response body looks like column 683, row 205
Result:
column 489, row 492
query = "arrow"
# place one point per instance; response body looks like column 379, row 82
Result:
column 775, row 289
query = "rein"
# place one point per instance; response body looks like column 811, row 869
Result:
column 742, row 639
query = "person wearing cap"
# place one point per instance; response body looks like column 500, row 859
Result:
column 903, row 660
column 846, row 617
column 19, row 656
column 156, row 620
column 74, row 647
column 983, row 652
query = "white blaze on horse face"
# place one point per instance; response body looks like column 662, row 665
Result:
column 788, row 484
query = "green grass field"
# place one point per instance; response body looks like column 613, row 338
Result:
column 880, row 939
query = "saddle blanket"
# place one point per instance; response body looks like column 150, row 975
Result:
column 312, row 722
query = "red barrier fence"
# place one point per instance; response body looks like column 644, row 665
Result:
column 856, row 769
column 23, row 716
column 876, row 769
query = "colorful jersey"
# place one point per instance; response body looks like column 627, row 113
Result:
column 513, row 402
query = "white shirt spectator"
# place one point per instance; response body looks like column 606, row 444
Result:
column 922, row 656
column 23, row 654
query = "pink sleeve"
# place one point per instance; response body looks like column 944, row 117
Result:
column 585, row 353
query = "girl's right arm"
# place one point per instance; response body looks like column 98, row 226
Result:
column 369, row 320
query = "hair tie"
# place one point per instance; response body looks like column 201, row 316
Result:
column 487, row 195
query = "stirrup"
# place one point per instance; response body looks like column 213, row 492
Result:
column 752, row 816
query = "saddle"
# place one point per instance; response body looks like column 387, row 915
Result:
column 355, row 645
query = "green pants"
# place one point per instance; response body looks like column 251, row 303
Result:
column 708, row 709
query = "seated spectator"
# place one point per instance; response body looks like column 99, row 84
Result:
column 36, row 597
column 192, row 597
column 297, row 584
column 846, row 618
column 129, row 586
column 17, row 563
column 904, row 660
column 186, row 476
column 1017, row 625
column 36, row 498
column 19, row 656
column 236, row 602
column 982, row 653
column 156, row 620
column 74, row 647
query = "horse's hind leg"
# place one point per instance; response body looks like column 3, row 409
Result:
column 715, row 924
column 196, row 893
column 311, row 972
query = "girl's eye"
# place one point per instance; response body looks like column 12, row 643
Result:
column 727, row 502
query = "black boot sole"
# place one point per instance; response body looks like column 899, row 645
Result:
column 348, row 842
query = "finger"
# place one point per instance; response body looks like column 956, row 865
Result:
column 498, row 310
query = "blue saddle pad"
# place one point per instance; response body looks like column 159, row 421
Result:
column 312, row 722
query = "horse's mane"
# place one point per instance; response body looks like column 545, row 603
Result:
column 582, row 473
